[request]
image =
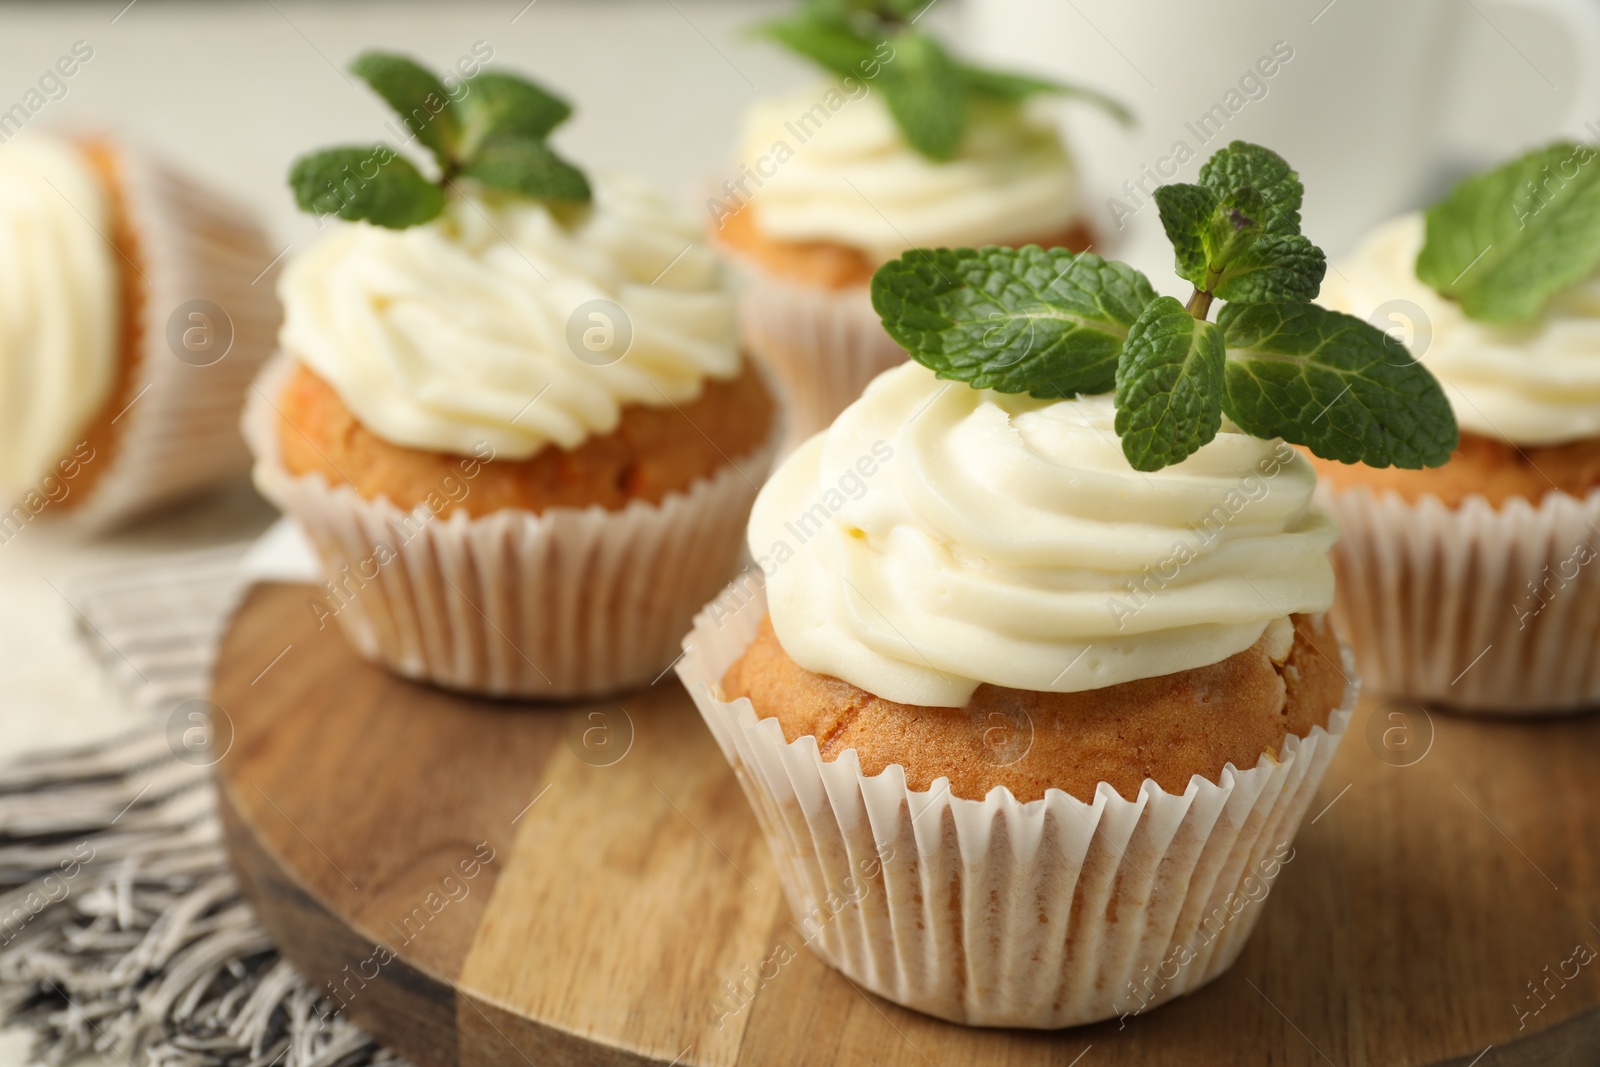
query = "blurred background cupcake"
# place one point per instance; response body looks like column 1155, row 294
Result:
column 902, row 145
column 512, row 415
column 1471, row 585
column 135, row 308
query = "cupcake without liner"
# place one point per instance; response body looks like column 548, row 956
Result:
column 817, row 205
column 139, row 312
column 1471, row 585
column 1026, row 829
column 504, row 516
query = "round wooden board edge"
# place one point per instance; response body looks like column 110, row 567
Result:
column 407, row 1007
column 320, row 945
column 421, row 1015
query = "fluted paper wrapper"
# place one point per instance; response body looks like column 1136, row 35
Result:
column 1043, row 914
column 823, row 345
column 564, row 603
column 1483, row 609
column 180, row 433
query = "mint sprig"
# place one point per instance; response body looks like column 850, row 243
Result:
column 925, row 93
column 528, row 166
column 1236, row 234
column 1054, row 324
column 1331, row 382
column 826, row 37
column 1262, row 171
column 927, row 90
column 498, row 104
column 1020, row 320
column 416, row 95
column 1169, row 385
column 1276, row 267
column 493, row 132
column 369, row 183
column 1504, row 242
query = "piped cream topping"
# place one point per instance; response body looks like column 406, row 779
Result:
column 829, row 164
column 59, row 306
column 1537, row 384
column 512, row 323
column 937, row 537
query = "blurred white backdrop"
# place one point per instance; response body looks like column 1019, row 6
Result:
column 1377, row 102
column 237, row 90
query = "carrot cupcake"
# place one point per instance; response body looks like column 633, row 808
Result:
column 511, row 413
column 129, row 333
column 1470, row 585
column 986, row 700
column 902, row 146
column 1035, row 681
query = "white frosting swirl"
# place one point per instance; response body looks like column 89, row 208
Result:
column 1537, row 384
column 461, row 331
column 828, row 165
column 59, row 306
column 937, row 537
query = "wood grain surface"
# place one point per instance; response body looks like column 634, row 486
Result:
column 622, row 891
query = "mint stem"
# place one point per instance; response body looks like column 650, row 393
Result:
column 1199, row 304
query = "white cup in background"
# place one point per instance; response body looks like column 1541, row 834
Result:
column 1353, row 93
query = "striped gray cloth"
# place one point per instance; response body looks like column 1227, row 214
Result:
column 154, row 627
column 122, row 930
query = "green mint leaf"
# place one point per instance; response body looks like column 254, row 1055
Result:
column 419, row 98
column 1169, row 385
column 1214, row 239
column 1033, row 320
column 526, row 165
column 1005, row 86
column 926, row 95
column 828, row 40
column 1506, row 241
column 1246, row 166
column 365, row 183
column 1186, row 212
column 1276, row 268
column 1333, row 383
column 1233, row 228
column 1228, row 235
column 497, row 103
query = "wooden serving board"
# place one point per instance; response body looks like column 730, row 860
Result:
column 620, row 891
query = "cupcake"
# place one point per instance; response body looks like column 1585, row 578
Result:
column 902, row 146
column 1469, row 585
column 1034, row 680
column 510, row 411
column 132, row 324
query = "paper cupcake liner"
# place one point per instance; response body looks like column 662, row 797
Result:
column 180, row 430
column 564, row 603
column 1043, row 914
column 1480, row 608
column 823, row 345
